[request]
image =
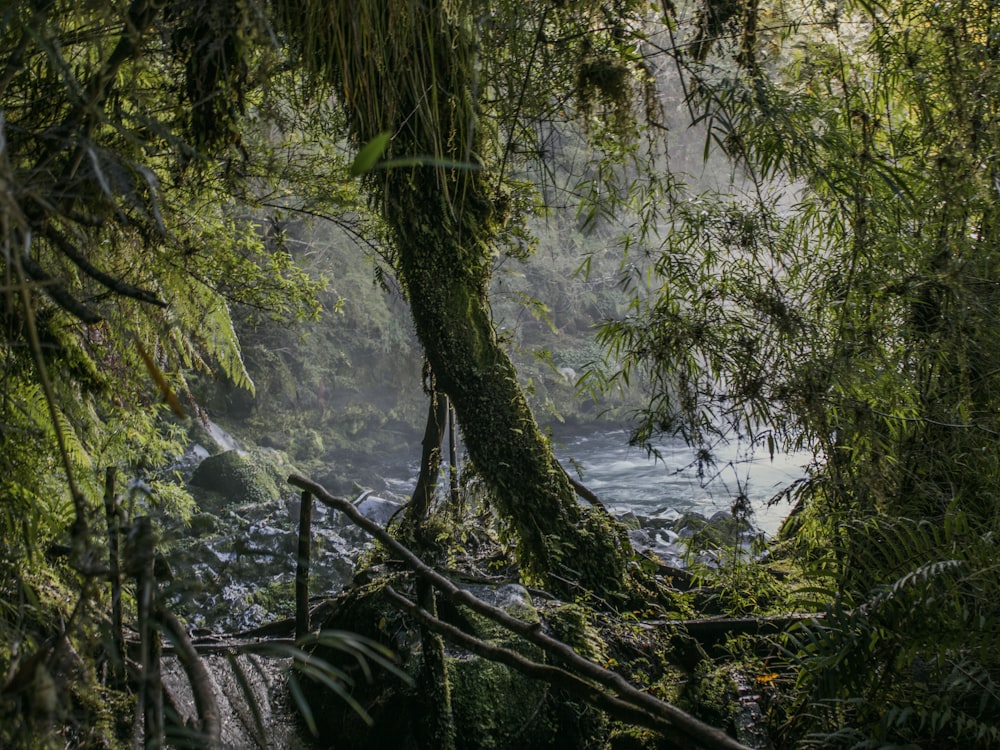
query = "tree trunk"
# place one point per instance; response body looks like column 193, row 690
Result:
column 430, row 459
column 419, row 84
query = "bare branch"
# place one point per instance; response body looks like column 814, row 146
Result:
column 117, row 286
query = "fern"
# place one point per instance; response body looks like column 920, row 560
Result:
column 36, row 409
column 208, row 319
column 916, row 661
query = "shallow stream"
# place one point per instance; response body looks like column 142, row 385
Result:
column 242, row 554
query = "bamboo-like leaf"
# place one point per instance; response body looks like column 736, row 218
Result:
column 259, row 730
column 369, row 154
column 360, row 647
column 324, row 677
column 305, row 710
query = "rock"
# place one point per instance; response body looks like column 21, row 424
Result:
column 629, row 520
column 665, row 516
column 664, row 546
column 377, row 509
column 278, row 441
column 237, row 478
column 192, row 458
column 640, row 539
column 721, row 530
column 510, row 597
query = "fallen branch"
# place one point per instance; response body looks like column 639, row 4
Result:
column 206, row 706
column 672, row 716
column 713, row 629
column 555, row 676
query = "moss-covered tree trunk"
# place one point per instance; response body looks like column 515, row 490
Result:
column 409, row 68
column 451, row 316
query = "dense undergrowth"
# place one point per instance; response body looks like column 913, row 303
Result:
column 838, row 294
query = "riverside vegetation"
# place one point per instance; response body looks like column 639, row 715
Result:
column 784, row 216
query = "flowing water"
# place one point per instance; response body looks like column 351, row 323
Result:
column 226, row 580
column 628, row 478
column 238, row 548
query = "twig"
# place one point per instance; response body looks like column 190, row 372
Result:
column 302, row 566
column 67, row 248
column 139, row 558
column 583, row 491
column 114, row 573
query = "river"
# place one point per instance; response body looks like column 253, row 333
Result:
column 236, row 550
column 626, row 478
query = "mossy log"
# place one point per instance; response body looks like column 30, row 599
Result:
column 710, row 630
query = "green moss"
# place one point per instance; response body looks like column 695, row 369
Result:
column 570, row 624
column 277, row 598
column 711, row 694
column 306, row 445
column 497, row 709
column 238, row 478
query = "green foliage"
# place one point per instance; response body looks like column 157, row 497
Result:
column 912, row 658
column 126, row 233
column 123, row 248
column 840, row 296
column 710, row 694
column 843, row 299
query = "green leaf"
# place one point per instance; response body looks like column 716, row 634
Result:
column 427, row 161
column 370, row 153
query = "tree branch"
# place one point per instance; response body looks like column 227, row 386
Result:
column 56, row 292
column 554, row 676
column 117, row 286
column 678, row 719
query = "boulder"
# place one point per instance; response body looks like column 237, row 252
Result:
column 377, row 509
column 237, row 478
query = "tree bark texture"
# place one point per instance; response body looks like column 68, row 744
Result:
column 445, row 212
column 430, row 459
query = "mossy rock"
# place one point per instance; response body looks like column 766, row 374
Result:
column 306, row 445
column 236, row 477
column 711, row 694
column 722, row 530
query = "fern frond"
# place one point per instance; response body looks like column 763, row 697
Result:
column 36, row 409
column 212, row 325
